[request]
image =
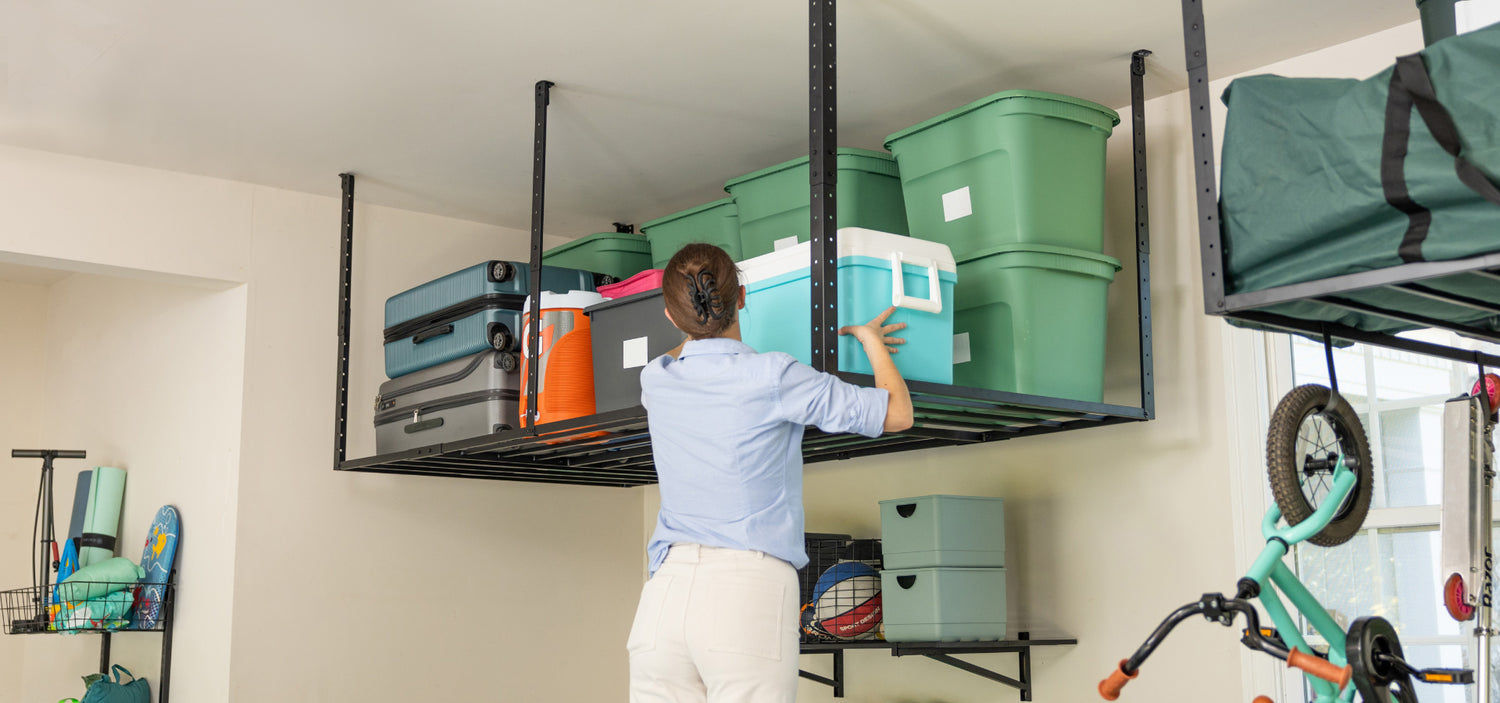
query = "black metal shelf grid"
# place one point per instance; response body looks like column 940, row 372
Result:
column 1300, row 308
column 942, row 652
column 614, row 448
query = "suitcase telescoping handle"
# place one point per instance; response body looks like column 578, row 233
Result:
column 934, row 301
column 427, row 334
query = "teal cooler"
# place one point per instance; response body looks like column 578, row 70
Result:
column 716, row 223
column 1031, row 319
column 778, row 310
column 941, row 604
column 941, row 530
column 774, row 209
column 1017, row 166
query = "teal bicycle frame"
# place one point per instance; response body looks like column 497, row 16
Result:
column 1270, row 572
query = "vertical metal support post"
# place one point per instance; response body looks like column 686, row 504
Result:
column 838, row 673
column 1195, row 47
column 1025, row 672
column 823, row 181
column 1142, row 238
column 170, row 606
column 538, row 202
column 346, row 275
column 104, row 653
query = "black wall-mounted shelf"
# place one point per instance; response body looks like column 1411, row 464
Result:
column 941, row 652
column 614, row 448
column 1300, row 308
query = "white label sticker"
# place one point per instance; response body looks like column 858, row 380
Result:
column 633, row 352
column 957, row 205
column 1469, row 15
column 785, row 243
column 961, row 348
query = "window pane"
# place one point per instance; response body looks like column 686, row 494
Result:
column 1310, row 365
column 1410, row 460
column 1394, row 576
column 1404, row 375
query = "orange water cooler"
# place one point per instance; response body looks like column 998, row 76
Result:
column 565, row 358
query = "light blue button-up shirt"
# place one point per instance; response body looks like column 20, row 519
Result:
column 726, row 432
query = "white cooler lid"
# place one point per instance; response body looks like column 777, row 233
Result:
column 572, row 299
column 852, row 241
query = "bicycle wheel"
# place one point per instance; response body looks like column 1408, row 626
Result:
column 1303, row 446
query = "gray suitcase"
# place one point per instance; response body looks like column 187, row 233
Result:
column 468, row 397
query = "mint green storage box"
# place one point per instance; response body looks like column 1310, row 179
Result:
column 617, row 254
column 940, row 530
column 716, row 223
column 778, row 302
column 774, row 202
column 1017, row 166
column 943, row 604
column 1031, row 319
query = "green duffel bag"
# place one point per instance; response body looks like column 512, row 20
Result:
column 1327, row 177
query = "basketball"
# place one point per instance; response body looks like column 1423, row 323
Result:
column 846, row 602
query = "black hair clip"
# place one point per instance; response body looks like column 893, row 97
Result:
column 703, row 292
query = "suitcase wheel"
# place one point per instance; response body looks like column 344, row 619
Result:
column 506, row 362
column 502, row 271
column 501, row 338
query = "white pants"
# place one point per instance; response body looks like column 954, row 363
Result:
column 716, row 625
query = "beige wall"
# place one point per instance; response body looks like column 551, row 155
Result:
column 23, row 310
column 345, row 586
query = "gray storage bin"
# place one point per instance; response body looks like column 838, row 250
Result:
column 627, row 333
column 942, row 530
column 943, row 604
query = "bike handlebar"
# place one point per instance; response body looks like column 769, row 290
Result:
column 1109, row 688
column 1320, row 667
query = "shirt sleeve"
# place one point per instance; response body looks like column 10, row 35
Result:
column 811, row 397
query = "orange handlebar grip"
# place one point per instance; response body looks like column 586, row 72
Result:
column 1109, row 688
column 1320, row 667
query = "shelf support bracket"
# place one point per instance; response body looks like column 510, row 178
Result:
column 1142, row 228
column 837, row 682
column 822, row 171
column 538, row 202
column 346, row 277
column 1195, row 47
column 1023, row 685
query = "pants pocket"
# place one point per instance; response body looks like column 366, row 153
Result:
column 647, row 625
column 751, row 618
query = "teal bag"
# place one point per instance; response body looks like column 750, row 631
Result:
column 117, row 691
column 1327, row 177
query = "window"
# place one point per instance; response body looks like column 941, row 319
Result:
column 1391, row 567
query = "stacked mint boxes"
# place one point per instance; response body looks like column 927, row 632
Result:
column 944, row 577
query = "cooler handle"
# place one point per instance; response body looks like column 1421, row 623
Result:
column 934, row 301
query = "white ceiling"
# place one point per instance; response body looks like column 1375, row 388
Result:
column 657, row 103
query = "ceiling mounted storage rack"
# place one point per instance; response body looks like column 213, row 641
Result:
column 614, row 448
column 1420, row 281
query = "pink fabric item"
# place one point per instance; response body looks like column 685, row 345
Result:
column 650, row 279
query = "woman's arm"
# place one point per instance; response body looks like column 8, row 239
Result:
column 879, row 347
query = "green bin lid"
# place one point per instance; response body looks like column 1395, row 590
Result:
column 1028, row 102
column 876, row 162
column 687, row 213
column 1049, row 256
column 623, row 240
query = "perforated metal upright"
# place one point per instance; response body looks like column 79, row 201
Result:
column 823, row 129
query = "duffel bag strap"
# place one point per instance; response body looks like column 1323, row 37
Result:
column 1411, row 86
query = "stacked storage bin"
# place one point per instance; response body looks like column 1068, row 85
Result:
column 774, row 207
column 1014, row 185
column 614, row 255
column 944, row 577
column 628, row 332
column 716, row 223
column 450, row 352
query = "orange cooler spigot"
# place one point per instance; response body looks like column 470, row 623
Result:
column 565, row 358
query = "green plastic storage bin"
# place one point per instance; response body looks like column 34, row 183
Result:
column 1018, row 166
column 774, row 203
column 617, row 254
column 943, row 604
column 1031, row 319
column 716, row 223
column 938, row 530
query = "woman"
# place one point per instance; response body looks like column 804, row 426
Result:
column 718, row 619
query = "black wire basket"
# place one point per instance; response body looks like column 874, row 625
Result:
column 840, row 589
column 87, row 606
